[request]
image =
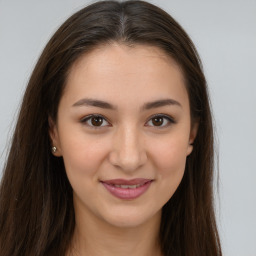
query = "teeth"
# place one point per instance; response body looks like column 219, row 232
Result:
column 128, row 186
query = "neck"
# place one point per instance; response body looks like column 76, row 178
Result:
column 94, row 237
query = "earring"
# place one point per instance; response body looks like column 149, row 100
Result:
column 54, row 149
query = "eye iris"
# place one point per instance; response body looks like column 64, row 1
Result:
column 97, row 121
column 157, row 121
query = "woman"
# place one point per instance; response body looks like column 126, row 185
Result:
column 113, row 149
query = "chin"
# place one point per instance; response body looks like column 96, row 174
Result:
column 131, row 219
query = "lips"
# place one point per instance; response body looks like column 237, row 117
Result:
column 127, row 189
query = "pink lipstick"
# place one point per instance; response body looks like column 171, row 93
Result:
column 127, row 189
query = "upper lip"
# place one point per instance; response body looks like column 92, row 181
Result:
column 137, row 181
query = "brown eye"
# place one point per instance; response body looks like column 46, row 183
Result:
column 157, row 121
column 95, row 121
column 160, row 121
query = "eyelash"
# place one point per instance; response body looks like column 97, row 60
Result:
column 169, row 119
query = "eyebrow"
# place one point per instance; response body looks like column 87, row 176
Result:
column 160, row 103
column 105, row 105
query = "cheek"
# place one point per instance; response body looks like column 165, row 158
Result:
column 170, row 161
column 82, row 155
column 170, row 154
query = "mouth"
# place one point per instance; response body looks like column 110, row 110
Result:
column 127, row 189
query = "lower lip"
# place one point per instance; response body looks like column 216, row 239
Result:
column 127, row 193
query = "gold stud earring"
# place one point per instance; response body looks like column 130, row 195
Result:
column 54, row 149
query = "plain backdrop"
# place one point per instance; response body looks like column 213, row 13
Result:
column 224, row 33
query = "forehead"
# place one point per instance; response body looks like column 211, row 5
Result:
column 120, row 72
column 124, row 57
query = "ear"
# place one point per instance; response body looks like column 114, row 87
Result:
column 192, row 136
column 54, row 135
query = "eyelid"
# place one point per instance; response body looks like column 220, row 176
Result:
column 169, row 118
column 86, row 118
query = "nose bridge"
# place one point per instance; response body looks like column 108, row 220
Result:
column 128, row 150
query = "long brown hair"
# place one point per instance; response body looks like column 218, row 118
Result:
column 36, row 207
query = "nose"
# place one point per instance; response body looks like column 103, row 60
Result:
column 128, row 151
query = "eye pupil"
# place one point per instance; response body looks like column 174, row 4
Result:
column 97, row 121
column 157, row 121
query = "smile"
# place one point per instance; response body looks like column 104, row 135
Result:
column 128, row 186
column 127, row 189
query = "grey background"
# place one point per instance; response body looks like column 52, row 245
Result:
column 225, row 35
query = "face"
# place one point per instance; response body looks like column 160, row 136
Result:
column 124, row 132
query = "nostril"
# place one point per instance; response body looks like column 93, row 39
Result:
column 128, row 150
column 128, row 162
